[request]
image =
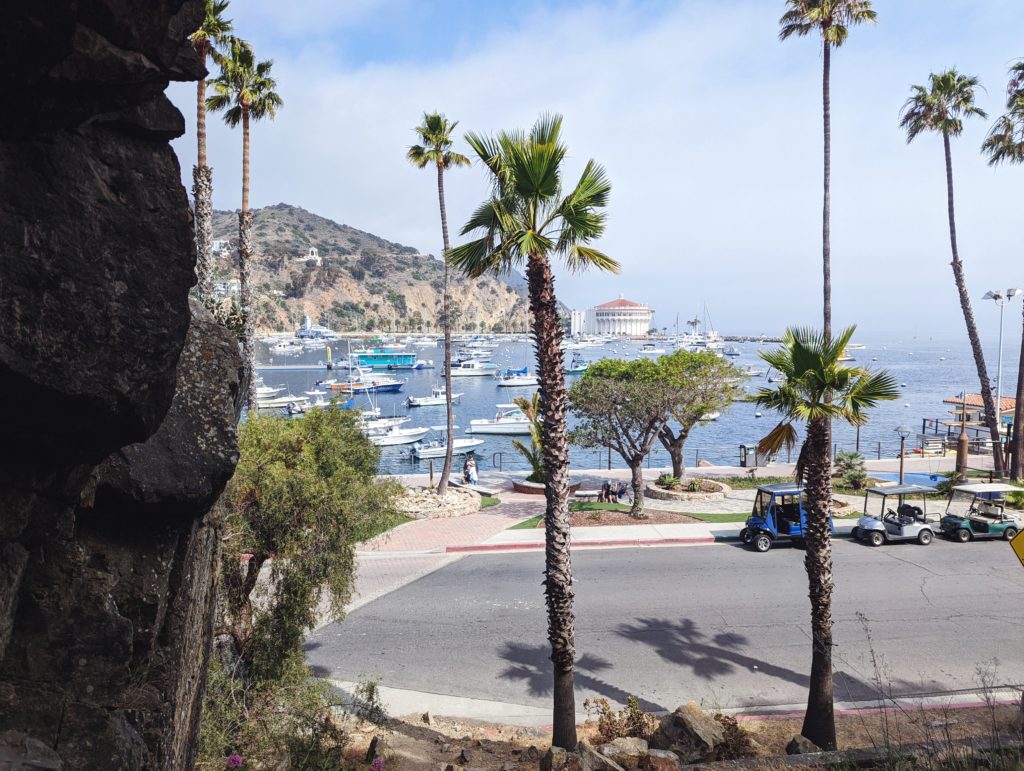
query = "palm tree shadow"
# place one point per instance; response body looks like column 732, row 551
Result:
column 532, row 665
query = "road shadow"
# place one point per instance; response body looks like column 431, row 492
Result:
column 709, row 656
column 531, row 664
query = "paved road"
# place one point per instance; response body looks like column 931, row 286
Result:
column 715, row 623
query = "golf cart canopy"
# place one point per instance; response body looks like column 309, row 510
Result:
column 979, row 488
column 902, row 490
column 786, row 488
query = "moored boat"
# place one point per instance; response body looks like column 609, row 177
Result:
column 509, row 419
column 437, row 447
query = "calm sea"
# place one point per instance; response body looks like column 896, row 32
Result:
column 928, row 371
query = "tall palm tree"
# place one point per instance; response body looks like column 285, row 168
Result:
column 1005, row 143
column 527, row 219
column 942, row 107
column 817, row 389
column 245, row 91
column 436, row 136
column 832, row 19
column 212, row 37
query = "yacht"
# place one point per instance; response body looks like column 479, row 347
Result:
column 733, row 351
column 509, row 419
column 437, row 447
column 651, row 349
column 473, row 368
column 517, row 380
column 372, row 384
column 436, row 398
column 396, row 435
column 577, row 366
column 283, row 400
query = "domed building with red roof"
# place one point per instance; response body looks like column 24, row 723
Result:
column 617, row 317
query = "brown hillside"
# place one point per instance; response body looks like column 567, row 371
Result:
column 361, row 281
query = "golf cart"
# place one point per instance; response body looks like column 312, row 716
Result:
column 906, row 522
column 979, row 511
column 778, row 515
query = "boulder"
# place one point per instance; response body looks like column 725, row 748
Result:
column 801, row 745
column 689, row 733
column 592, row 760
column 626, row 751
column 660, row 760
column 558, row 759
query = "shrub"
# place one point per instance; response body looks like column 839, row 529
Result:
column 632, row 721
column 946, row 485
column 695, row 485
column 850, row 466
column 668, row 481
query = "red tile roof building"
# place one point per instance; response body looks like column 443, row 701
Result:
column 617, row 317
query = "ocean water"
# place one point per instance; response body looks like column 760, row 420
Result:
column 928, row 371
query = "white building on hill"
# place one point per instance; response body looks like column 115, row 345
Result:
column 618, row 317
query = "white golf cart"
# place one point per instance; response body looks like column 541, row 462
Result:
column 908, row 521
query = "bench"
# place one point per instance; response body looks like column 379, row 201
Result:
column 586, row 495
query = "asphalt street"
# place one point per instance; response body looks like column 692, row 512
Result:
column 718, row 624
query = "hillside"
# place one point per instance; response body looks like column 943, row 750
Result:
column 360, row 281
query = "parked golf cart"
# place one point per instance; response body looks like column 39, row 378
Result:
column 778, row 515
column 896, row 513
column 978, row 510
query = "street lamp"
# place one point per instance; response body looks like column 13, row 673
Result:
column 904, row 432
column 1000, row 298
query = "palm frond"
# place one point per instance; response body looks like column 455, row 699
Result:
column 782, row 436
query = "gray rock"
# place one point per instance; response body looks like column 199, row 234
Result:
column 531, row 753
column 660, row 760
column 592, row 760
column 558, row 759
column 425, row 717
column 626, row 751
column 466, row 756
column 801, row 745
column 689, row 733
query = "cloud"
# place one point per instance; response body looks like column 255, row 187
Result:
column 711, row 133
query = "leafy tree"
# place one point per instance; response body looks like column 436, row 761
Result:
column 534, row 454
column 245, row 92
column 818, row 389
column 436, row 136
column 527, row 219
column 304, row 493
column 623, row 405
column 702, row 383
column 211, row 39
column 1005, row 143
column 942, row 107
column 831, row 19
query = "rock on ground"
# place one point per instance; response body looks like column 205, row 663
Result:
column 689, row 733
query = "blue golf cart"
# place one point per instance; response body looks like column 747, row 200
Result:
column 778, row 515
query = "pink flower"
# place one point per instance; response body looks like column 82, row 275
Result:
column 235, row 761
column 377, row 764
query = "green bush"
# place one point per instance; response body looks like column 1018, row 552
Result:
column 667, row 480
column 695, row 485
column 852, row 472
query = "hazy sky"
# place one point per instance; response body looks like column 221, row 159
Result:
column 709, row 127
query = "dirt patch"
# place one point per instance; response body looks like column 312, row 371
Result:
column 609, row 518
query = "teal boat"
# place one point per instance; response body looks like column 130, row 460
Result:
column 379, row 358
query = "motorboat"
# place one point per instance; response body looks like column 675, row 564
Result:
column 436, row 398
column 577, row 366
column 296, row 408
column 732, row 351
column 396, row 435
column 474, row 368
column 437, row 447
column 367, row 385
column 517, row 380
column 509, row 419
column 651, row 349
column 707, row 417
column 266, row 392
column 277, row 402
column 418, row 364
column 375, row 425
column 754, row 372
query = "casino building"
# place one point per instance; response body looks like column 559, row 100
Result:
column 618, row 317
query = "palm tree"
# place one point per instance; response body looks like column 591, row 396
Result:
column 436, row 137
column 1005, row 143
column 528, row 220
column 816, row 390
column 212, row 37
column 942, row 107
column 832, row 19
column 245, row 91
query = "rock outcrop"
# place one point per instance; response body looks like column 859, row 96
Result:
column 120, row 415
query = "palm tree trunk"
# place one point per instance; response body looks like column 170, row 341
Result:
column 202, row 194
column 442, row 485
column 637, row 470
column 991, row 412
column 553, row 405
column 1017, row 445
column 245, row 272
column 819, row 721
column 826, row 243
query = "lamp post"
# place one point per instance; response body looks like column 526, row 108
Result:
column 904, row 432
column 1000, row 298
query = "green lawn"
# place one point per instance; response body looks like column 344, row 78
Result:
column 595, row 506
column 717, row 518
column 487, row 501
column 527, row 524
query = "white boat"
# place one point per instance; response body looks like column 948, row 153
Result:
column 474, row 368
column 266, row 392
column 436, row 448
column 436, row 398
column 276, row 402
column 709, row 416
column 732, row 350
column 509, row 419
column 517, row 381
column 374, row 425
column 754, row 372
column 296, row 408
column 396, row 435
column 651, row 349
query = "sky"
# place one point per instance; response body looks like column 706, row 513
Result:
column 709, row 128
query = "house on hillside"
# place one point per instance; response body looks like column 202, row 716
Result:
column 312, row 254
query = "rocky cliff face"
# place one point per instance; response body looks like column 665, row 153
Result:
column 359, row 281
column 119, row 428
